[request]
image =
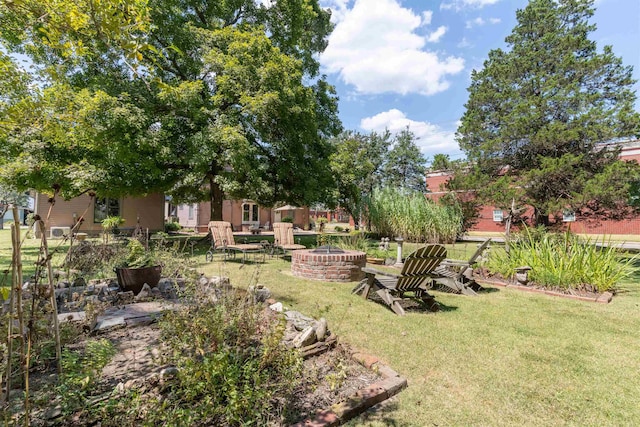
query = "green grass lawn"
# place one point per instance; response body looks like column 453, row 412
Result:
column 504, row 358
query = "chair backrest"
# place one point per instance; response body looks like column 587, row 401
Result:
column 221, row 233
column 266, row 225
column 418, row 266
column 283, row 233
column 481, row 249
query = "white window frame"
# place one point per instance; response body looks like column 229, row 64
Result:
column 250, row 213
column 498, row 215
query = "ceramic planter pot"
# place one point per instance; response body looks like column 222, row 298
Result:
column 132, row 279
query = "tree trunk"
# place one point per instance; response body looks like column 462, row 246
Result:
column 216, row 197
column 541, row 218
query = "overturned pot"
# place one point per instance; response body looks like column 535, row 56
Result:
column 132, row 279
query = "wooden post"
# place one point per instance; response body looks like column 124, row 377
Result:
column 52, row 291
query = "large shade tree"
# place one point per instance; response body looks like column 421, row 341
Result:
column 204, row 99
column 539, row 112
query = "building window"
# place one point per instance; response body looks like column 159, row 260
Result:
column 250, row 213
column 104, row 207
column 190, row 212
column 498, row 215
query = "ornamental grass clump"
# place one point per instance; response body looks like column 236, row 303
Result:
column 563, row 261
column 410, row 214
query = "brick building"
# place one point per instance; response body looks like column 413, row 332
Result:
column 491, row 218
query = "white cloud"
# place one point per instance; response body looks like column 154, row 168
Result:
column 462, row 4
column 465, row 43
column 437, row 34
column 427, row 15
column 475, row 22
column 375, row 48
column 432, row 139
column 478, row 22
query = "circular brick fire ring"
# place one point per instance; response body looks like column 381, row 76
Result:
column 330, row 267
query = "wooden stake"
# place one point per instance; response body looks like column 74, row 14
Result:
column 12, row 297
column 52, row 291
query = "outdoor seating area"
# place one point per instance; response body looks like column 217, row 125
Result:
column 457, row 275
column 284, row 239
column 415, row 277
column 224, row 243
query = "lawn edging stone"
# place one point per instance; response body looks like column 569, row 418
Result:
column 339, row 413
column 603, row 298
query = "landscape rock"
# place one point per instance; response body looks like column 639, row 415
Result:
column 305, row 338
column 168, row 373
column 79, row 281
column 144, row 293
column 299, row 320
column 220, row 282
column 110, row 323
column 321, row 329
column 167, row 287
column 277, row 307
column 260, row 293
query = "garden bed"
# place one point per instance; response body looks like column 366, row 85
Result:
column 580, row 295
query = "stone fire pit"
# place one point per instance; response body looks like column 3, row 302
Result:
column 328, row 264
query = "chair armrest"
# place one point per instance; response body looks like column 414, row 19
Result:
column 456, row 262
column 373, row 271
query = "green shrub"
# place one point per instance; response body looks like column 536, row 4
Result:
column 562, row 261
column 411, row 215
column 170, row 227
column 80, row 372
column 337, row 228
column 287, row 219
column 233, row 368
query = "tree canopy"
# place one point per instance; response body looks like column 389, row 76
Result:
column 405, row 164
column 539, row 113
column 201, row 99
column 357, row 167
column 362, row 163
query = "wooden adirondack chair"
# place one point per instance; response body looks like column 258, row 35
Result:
column 283, row 237
column 454, row 275
column 223, row 241
column 415, row 277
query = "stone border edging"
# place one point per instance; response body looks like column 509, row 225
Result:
column 363, row 399
column 603, row 298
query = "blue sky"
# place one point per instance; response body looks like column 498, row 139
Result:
column 408, row 62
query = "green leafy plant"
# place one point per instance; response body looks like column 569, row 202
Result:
column 233, row 368
column 111, row 224
column 138, row 256
column 287, row 219
column 171, row 227
column 80, row 371
column 356, row 241
column 563, row 261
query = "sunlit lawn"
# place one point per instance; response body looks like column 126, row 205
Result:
column 503, row 358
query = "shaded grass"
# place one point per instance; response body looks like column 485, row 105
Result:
column 503, row 358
